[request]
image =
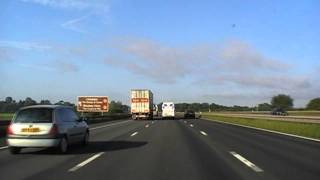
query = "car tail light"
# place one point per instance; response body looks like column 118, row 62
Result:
column 53, row 130
column 10, row 130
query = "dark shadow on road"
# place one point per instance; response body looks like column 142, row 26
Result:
column 92, row 147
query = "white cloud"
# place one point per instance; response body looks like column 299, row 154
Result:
column 234, row 62
column 4, row 55
column 232, row 66
column 161, row 63
column 35, row 66
column 239, row 55
column 53, row 66
column 65, row 67
column 95, row 5
column 75, row 24
column 24, row 45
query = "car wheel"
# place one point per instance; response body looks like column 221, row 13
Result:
column 14, row 150
column 85, row 140
column 63, row 146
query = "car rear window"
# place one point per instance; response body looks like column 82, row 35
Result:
column 34, row 115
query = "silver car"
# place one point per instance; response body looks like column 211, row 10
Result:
column 46, row 126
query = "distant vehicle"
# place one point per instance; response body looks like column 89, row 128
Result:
column 279, row 112
column 155, row 110
column 141, row 104
column 168, row 110
column 189, row 114
column 46, row 126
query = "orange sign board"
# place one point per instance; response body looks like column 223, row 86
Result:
column 93, row 104
column 139, row 100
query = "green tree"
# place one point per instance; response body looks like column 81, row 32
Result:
column 116, row 107
column 314, row 104
column 47, row 102
column 29, row 101
column 264, row 107
column 64, row 103
column 8, row 100
column 282, row 101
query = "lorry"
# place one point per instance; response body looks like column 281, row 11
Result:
column 168, row 110
column 141, row 104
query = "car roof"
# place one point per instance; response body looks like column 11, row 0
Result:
column 45, row 106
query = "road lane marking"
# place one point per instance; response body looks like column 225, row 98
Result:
column 4, row 147
column 185, row 121
column 147, row 125
column 133, row 134
column 246, row 162
column 108, row 125
column 266, row 130
column 191, row 125
column 203, row 133
column 85, row 162
column 152, row 122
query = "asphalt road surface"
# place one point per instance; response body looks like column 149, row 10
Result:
column 170, row 149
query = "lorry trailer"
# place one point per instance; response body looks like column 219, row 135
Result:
column 141, row 104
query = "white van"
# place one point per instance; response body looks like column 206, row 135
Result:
column 168, row 110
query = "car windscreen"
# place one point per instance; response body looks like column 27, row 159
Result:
column 34, row 115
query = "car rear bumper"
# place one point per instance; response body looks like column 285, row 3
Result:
column 167, row 114
column 190, row 116
column 33, row 142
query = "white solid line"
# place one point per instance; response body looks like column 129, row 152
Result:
column 246, row 162
column 108, row 125
column 266, row 130
column 85, row 162
column 4, row 147
column 203, row 133
column 133, row 134
column 191, row 125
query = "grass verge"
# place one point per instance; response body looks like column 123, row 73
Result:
column 6, row 116
column 310, row 130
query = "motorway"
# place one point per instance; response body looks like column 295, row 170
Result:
column 171, row 149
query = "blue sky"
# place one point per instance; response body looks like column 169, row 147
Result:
column 235, row 52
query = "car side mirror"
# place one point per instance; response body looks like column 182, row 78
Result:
column 82, row 119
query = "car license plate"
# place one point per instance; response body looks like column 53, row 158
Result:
column 30, row 130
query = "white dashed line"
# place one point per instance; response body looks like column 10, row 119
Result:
column 4, row 147
column 185, row 121
column 191, row 125
column 85, row 162
column 203, row 133
column 147, row 125
column 246, row 162
column 133, row 134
